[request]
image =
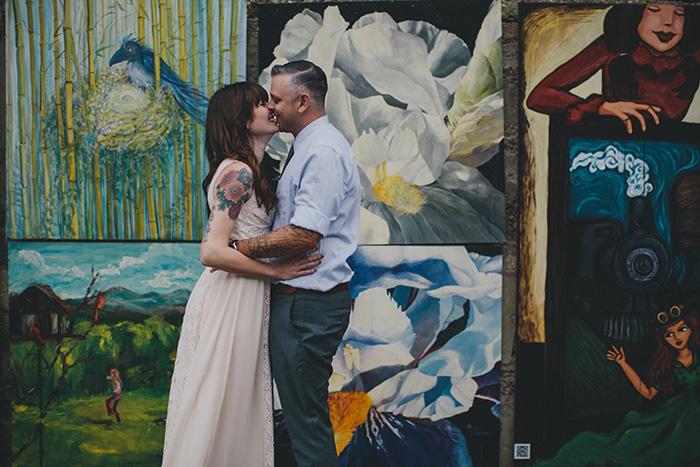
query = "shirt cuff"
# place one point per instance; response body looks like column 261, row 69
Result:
column 310, row 219
column 590, row 106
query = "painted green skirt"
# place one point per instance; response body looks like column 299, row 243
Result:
column 666, row 436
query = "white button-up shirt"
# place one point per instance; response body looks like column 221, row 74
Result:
column 320, row 191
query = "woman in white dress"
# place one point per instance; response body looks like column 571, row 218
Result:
column 220, row 407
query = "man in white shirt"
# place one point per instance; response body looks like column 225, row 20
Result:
column 319, row 203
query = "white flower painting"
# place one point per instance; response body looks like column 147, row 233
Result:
column 405, row 298
column 422, row 112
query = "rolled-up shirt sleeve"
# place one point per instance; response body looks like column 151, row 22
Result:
column 321, row 190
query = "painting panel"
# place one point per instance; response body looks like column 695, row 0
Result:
column 77, row 311
column 106, row 102
column 566, row 67
column 610, row 186
column 631, row 267
column 421, row 356
column 416, row 88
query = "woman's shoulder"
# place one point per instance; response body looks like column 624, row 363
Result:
column 234, row 171
column 233, row 164
column 234, row 182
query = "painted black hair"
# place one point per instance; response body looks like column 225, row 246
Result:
column 621, row 37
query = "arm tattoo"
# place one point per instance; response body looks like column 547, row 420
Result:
column 233, row 190
column 285, row 241
column 208, row 227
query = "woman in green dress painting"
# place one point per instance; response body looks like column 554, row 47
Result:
column 668, row 435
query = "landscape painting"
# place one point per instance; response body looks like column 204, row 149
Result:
column 105, row 107
column 417, row 375
column 78, row 311
column 417, row 90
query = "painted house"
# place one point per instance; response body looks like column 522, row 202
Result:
column 39, row 303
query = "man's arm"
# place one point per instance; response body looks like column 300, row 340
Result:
column 288, row 240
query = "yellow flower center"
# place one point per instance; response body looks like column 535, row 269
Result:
column 399, row 194
column 348, row 410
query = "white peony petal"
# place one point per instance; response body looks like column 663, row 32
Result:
column 448, row 57
column 405, row 394
column 377, row 318
column 370, row 151
column 478, row 132
column 403, row 144
column 373, row 229
column 297, row 36
column 381, row 59
column 339, row 107
column 325, row 43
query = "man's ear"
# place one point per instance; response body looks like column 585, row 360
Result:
column 303, row 102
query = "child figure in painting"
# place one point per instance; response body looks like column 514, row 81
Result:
column 112, row 401
column 650, row 58
column 667, row 435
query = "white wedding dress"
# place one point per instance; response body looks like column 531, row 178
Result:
column 220, row 407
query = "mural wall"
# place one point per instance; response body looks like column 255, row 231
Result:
column 614, row 154
column 417, row 376
column 106, row 102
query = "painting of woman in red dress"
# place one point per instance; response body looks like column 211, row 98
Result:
column 650, row 59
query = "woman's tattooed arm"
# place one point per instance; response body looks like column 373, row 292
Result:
column 207, row 229
column 233, row 190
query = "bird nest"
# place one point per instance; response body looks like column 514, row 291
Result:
column 126, row 117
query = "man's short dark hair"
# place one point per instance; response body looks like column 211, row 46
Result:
column 306, row 77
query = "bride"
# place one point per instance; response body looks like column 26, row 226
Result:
column 220, row 407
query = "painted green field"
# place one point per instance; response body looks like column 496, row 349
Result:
column 79, row 432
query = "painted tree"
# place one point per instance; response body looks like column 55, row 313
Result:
column 96, row 172
column 32, row 147
column 21, row 96
column 70, row 136
column 60, row 126
column 233, row 41
column 47, row 214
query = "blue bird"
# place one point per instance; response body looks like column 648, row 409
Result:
column 140, row 68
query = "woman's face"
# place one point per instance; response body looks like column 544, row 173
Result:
column 262, row 125
column 677, row 335
column 662, row 26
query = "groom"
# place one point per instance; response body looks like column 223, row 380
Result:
column 319, row 203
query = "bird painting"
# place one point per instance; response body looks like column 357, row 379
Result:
column 140, row 68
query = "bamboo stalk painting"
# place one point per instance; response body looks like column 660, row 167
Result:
column 105, row 106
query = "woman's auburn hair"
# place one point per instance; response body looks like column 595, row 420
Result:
column 661, row 369
column 227, row 136
column 116, row 374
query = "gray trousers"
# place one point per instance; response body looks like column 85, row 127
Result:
column 305, row 331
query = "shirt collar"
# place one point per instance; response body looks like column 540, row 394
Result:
column 679, row 365
column 305, row 132
column 661, row 61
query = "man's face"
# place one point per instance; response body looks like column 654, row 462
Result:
column 281, row 105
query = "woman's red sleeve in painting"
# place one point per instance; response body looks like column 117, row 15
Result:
column 552, row 96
